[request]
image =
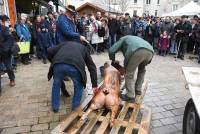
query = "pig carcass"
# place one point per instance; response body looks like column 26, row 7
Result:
column 108, row 95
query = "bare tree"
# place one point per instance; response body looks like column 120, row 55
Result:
column 123, row 5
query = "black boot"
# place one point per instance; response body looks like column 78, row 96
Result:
column 44, row 61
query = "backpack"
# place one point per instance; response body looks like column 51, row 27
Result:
column 101, row 32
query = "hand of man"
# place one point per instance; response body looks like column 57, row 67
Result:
column 83, row 39
column 96, row 90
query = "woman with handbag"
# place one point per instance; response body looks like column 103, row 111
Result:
column 24, row 36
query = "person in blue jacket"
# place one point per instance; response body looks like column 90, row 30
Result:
column 24, row 35
column 45, row 41
column 66, row 28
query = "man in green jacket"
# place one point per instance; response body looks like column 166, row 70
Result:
column 138, row 53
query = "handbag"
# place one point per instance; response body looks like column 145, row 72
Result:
column 15, row 49
column 24, row 47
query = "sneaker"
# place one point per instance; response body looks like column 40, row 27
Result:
column 12, row 83
column 124, row 97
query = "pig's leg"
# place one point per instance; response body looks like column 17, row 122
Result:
column 114, row 110
column 98, row 102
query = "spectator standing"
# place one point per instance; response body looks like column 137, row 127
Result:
column 44, row 40
column 32, row 43
column 163, row 44
column 156, row 32
column 113, row 26
column 184, row 29
column 126, row 26
column 149, row 33
column 66, row 28
column 6, row 44
column 36, row 29
column 25, row 36
column 104, row 24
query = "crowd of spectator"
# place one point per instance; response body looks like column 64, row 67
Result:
column 167, row 35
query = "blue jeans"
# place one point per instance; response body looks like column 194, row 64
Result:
column 6, row 63
column 44, row 52
column 173, row 48
column 112, row 40
column 59, row 72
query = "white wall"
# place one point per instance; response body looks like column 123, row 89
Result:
column 135, row 6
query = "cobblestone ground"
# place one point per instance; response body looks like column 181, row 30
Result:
column 26, row 107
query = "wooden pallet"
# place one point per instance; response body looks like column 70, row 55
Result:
column 126, row 121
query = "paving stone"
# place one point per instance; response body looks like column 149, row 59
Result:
column 29, row 121
column 53, row 125
column 39, row 127
column 37, row 132
column 158, row 109
column 167, row 114
column 162, row 103
column 179, row 111
column 178, row 126
column 15, row 130
column 156, row 116
column 156, row 123
column 44, row 119
column 168, row 121
column 179, row 105
column 168, row 107
column 46, row 132
column 179, row 118
column 169, row 129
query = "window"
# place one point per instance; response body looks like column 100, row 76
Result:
column 158, row 2
column 135, row 1
column 134, row 12
column 148, row 2
column 156, row 13
column 175, row 7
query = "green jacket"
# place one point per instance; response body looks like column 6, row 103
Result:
column 129, row 45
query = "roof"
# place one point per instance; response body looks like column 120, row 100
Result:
column 190, row 9
column 102, row 8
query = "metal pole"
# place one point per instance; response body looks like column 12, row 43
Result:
column 109, row 6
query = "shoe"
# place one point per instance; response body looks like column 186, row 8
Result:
column 124, row 97
column 55, row 110
column 44, row 61
column 182, row 58
column 138, row 92
column 12, row 83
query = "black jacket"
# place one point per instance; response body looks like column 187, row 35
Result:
column 6, row 41
column 76, row 54
column 113, row 26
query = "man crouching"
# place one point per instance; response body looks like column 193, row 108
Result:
column 69, row 59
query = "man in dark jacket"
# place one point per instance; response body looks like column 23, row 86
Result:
column 66, row 62
column 113, row 27
column 183, row 30
column 6, row 43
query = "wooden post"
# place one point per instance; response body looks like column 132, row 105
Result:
column 12, row 12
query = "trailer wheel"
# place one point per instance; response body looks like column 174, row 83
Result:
column 191, row 122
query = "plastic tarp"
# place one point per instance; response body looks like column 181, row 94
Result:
column 189, row 9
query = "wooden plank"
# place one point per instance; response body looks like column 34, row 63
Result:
column 120, row 117
column 91, row 123
column 145, row 122
column 104, row 124
column 140, row 98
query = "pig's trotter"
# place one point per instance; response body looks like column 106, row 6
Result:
column 85, row 115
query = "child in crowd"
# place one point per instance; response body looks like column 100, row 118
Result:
column 45, row 41
column 163, row 44
column 140, row 33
